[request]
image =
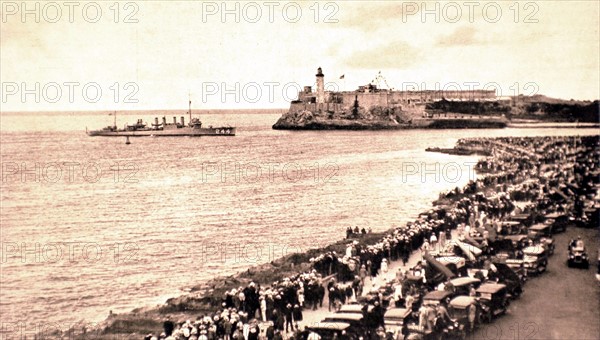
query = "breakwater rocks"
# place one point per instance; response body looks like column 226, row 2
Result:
column 287, row 123
column 460, row 151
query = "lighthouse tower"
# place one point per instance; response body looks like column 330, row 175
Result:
column 320, row 87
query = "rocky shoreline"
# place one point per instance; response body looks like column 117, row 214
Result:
column 207, row 297
column 523, row 112
column 285, row 123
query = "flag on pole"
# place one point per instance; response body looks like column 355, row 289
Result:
column 342, row 77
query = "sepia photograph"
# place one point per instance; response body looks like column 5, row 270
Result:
column 299, row 170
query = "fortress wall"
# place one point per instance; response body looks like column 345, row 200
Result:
column 314, row 107
column 344, row 101
column 320, row 100
column 366, row 100
column 306, row 96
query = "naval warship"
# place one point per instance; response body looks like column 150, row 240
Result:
column 163, row 129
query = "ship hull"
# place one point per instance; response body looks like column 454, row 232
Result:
column 181, row 132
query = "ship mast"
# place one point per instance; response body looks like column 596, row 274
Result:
column 190, row 106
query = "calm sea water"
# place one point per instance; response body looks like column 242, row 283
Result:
column 89, row 224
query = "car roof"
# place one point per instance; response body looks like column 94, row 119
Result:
column 461, row 281
column 539, row 226
column 490, row 288
column 353, row 308
column 437, row 295
column 397, row 312
column 533, row 250
column 510, row 223
column 462, row 301
column 554, row 215
column 515, row 237
column 450, row 259
column 331, row 325
column 344, row 316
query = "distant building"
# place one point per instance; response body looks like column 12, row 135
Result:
column 369, row 96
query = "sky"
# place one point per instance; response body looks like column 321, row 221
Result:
column 135, row 55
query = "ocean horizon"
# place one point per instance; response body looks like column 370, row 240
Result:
column 150, row 111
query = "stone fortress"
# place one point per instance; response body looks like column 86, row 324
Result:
column 369, row 96
column 370, row 107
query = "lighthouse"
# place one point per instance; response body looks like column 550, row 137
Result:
column 320, row 87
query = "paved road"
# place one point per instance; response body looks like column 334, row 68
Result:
column 563, row 303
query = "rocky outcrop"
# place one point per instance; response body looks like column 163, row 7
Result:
column 378, row 118
column 287, row 122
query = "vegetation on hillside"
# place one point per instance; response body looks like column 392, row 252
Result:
column 537, row 108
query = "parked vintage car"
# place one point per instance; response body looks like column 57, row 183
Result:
column 519, row 241
column 512, row 278
column 396, row 318
column 493, row 300
column 354, row 309
column 518, row 267
column 457, row 264
column 355, row 320
column 384, row 292
column 511, row 227
column 592, row 217
column 462, row 285
column 535, row 260
column 587, row 214
column 504, row 274
column 435, row 297
column 559, row 222
column 523, row 218
column 334, row 330
column 466, row 311
column 542, row 233
column 441, row 330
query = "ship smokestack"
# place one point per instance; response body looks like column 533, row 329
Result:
column 182, row 121
column 156, row 121
column 175, row 120
column 164, row 120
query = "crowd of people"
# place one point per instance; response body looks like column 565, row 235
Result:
column 254, row 311
column 535, row 167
